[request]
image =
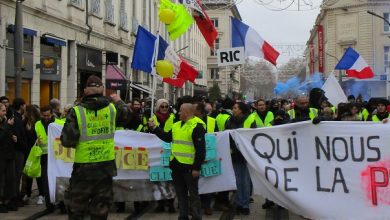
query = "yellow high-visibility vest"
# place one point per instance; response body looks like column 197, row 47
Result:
column 168, row 123
column 210, row 124
column 312, row 114
column 42, row 135
column 182, row 145
column 97, row 129
column 221, row 121
column 254, row 117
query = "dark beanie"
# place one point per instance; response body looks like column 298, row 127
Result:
column 383, row 102
column 94, row 81
column 2, row 98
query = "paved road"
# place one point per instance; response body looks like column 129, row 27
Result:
column 257, row 213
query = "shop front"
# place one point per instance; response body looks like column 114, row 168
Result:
column 50, row 67
column 27, row 68
column 89, row 62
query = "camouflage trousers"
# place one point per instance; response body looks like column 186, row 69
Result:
column 89, row 195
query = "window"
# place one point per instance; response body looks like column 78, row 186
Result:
column 387, row 26
column 214, row 73
column 200, row 74
column 134, row 9
column 387, row 58
column 95, row 7
column 123, row 16
column 77, row 3
column 144, row 12
column 216, row 47
column 215, row 22
column 27, row 42
column 109, row 12
column 123, row 64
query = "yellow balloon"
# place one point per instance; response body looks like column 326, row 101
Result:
column 164, row 68
column 167, row 16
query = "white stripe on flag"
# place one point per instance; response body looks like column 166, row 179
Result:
column 171, row 55
column 253, row 44
column 359, row 65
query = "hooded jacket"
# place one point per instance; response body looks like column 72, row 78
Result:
column 70, row 133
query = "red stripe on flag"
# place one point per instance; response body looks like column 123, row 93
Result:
column 187, row 72
column 179, row 82
column 270, row 53
column 364, row 74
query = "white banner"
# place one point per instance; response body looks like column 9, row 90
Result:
column 58, row 168
column 334, row 170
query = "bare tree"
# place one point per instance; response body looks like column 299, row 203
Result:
column 258, row 78
column 294, row 67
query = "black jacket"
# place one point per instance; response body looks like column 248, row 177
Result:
column 234, row 123
column 199, row 143
column 7, row 145
column 19, row 130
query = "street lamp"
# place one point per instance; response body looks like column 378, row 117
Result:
column 18, row 47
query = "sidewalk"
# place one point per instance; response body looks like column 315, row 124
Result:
column 257, row 213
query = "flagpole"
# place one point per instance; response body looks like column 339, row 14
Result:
column 154, row 72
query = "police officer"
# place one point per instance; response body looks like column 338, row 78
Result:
column 41, row 128
column 188, row 153
column 90, row 128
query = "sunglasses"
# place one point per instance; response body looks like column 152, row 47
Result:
column 94, row 85
column 164, row 106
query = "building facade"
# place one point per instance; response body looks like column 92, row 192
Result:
column 66, row 41
column 343, row 24
column 227, row 78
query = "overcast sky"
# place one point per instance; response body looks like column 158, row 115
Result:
column 279, row 27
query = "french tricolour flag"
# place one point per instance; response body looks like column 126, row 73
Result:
column 144, row 58
column 253, row 43
column 355, row 65
column 183, row 71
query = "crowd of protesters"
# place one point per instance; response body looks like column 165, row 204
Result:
column 18, row 135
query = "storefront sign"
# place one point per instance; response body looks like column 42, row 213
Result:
column 48, row 65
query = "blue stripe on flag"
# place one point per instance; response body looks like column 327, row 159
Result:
column 349, row 58
column 143, row 50
column 239, row 31
column 162, row 47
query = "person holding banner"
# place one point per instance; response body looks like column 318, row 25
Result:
column 262, row 117
column 211, row 127
column 188, row 153
column 90, row 128
column 381, row 111
column 164, row 118
column 301, row 110
column 243, row 193
column 41, row 129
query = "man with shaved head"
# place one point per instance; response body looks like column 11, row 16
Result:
column 188, row 153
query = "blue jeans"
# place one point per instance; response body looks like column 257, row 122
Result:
column 243, row 182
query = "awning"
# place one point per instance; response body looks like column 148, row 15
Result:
column 54, row 40
column 114, row 73
column 115, row 79
column 141, row 88
column 26, row 31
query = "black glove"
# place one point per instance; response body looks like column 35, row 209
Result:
column 316, row 120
